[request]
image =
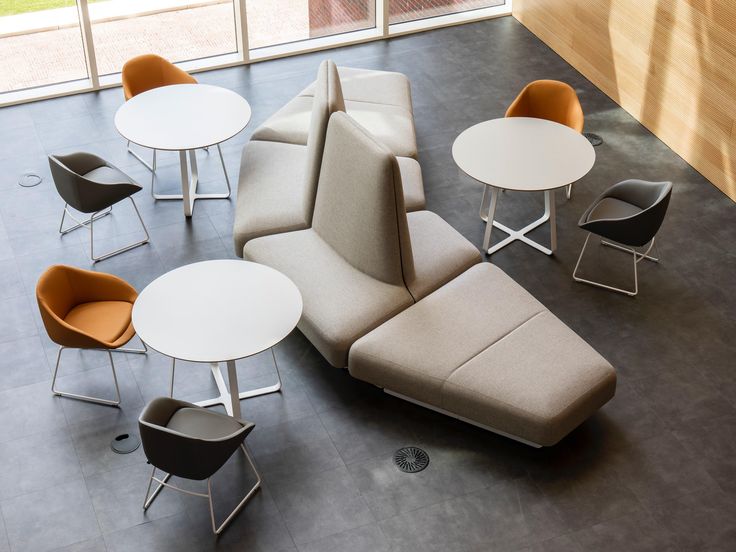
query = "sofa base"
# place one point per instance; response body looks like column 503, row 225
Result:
column 461, row 418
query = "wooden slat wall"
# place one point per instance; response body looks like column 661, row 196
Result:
column 670, row 63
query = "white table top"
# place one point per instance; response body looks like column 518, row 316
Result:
column 182, row 116
column 523, row 154
column 215, row 311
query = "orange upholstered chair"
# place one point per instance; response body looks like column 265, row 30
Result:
column 83, row 309
column 149, row 71
column 552, row 100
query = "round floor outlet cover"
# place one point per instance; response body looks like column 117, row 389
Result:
column 29, row 179
column 125, row 443
column 411, row 459
column 594, row 139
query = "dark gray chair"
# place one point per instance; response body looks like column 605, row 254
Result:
column 92, row 186
column 628, row 213
column 191, row 442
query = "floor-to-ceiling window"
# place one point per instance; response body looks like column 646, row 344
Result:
column 50, row 47
column 274, row 22
column 179, row 30
column 40, row 44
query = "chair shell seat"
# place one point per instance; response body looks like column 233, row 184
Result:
column 106, row 321
column 610, row 208
column 202, row 424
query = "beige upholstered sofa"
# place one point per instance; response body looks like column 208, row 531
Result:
column 356, row 266
column 280, row 165
column 404, row 302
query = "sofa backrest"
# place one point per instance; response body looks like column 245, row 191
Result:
column 327, row 99
column 359, row 209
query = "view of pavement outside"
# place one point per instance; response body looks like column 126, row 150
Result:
column 401, row 11
column 45, row 47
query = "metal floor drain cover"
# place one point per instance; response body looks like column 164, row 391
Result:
column 125, row 443
column 411, row 459
column 594, row 139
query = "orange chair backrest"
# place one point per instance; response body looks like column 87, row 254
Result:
column 549, row 99
column 60, row 288
column 149, row 71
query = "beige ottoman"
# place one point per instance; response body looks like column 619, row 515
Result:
column 482, row 349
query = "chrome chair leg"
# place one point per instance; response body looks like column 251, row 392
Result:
column 143, row 161
column 80, row 224
column 147, row 501
column 164, row 482
column 568, row 191
column 96, row 400
column 122, row 249
column 637, row 258
column 142, row 351
column 217, row 530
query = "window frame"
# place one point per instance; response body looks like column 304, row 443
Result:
column 245, row 55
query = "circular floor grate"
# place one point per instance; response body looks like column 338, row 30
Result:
column 594, row 139
column 411, row 459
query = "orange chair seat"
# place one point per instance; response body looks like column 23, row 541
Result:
column 106, row 321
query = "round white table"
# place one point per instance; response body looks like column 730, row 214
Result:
column 218, row 311
column 184, row 118
column 522, row 154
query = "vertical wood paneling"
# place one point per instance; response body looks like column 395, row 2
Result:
column 670, row 63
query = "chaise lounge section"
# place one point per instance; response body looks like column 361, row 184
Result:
column 482, row 349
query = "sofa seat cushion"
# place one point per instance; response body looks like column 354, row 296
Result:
column 367, row 85
column 391, row 125
column 273, row 193
column 412, row 183
column 289, row 124
column 341, row 303
column 482, row 348
column 440, row 253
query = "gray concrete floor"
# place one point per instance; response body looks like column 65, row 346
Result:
column 654, row 470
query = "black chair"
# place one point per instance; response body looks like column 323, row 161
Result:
column 630, row 214
column 92, row 186
column 188, row 441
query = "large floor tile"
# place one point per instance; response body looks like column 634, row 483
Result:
column 36, row 462
column 47, row 519
column 320, row 505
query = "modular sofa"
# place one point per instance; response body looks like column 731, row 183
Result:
column 405, row 303
column 280, row 165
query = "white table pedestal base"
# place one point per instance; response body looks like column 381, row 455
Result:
column 488, row 211
column 229, row 396
column 190, row 180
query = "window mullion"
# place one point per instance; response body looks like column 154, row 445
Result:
column 241, row 29
column 88, row 43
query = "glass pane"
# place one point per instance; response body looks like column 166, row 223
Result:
column 178, row 30
column 40, row 43
column 272, row 22
column 401, row 11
